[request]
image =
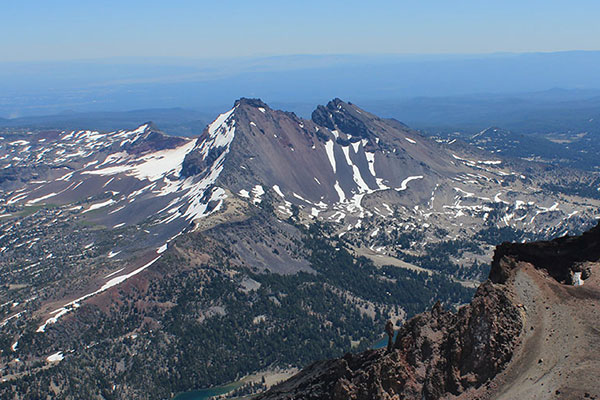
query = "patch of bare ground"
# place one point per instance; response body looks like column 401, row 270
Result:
column 381, row 259
column 558, row 354
column 234, row 210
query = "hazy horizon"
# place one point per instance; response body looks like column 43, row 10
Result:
column 68, row 29
column 73, row 57
column 51, row 87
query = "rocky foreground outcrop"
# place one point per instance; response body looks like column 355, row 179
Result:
column 528, row 333
column 562, row 258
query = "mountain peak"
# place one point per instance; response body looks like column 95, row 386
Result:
column 336, row 102
column 343, row 116
column 150, row 138
column 151, row 126
column 338, row 105
column 256, row 103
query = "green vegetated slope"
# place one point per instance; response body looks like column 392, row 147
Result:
column 198, row 319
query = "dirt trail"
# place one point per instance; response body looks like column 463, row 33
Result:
column 558, row 356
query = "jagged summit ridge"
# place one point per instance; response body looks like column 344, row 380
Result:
column 345, row 161
column 345, row 117
column 152, row 139
column 304, row 162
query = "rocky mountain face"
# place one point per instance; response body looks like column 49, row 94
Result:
column 376, row 179
column 485, row 349
column 269, row 241
column 346, row 166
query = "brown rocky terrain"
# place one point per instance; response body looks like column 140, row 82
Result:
column 529, row 333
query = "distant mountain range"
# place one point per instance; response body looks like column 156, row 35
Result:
column 177, row 121
column 295, row 83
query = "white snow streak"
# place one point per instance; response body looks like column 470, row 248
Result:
column 404, row 183
column 30, row 202
column 113, row 253
column 340, row 191
column 362, row 185
column 75, row 303
column 257, row 191
column 278, row 191
column 99, row 205
column 371, row 161
column 330, row 155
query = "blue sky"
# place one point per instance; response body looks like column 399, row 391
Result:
column 66, row 30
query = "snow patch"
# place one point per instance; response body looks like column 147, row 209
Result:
column 577, row 281
column 356, row 176
column 497, row 199
column 339, row 191
column 153, row 166
column 467, row 194
column 257, row 191
column 330, row 155
column 491, row 163
column 113, row 273
column 19, row 143
column 75, row 303
column 56, row 357
column 572, row 214
column 278, row 191
column 99, row 205
column 31, row 202
column 113, row 253
column 371, row 162
column 404, row 183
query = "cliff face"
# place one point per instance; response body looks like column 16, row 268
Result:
column 486, row 347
